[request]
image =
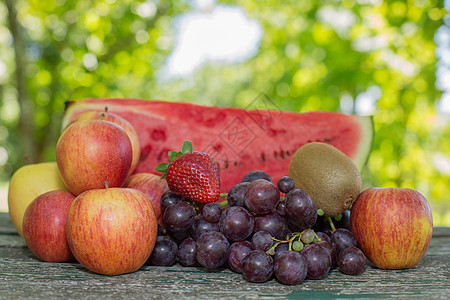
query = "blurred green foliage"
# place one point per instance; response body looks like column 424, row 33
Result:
column 53, row 51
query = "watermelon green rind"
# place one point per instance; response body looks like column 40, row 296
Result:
column 98, row 104
column 269, row 137
column 362, row 156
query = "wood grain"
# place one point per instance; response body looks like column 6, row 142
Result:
column 23, row 276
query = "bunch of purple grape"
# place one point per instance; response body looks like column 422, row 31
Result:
column 263, row 230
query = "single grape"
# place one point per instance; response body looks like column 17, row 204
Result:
column 301, row 211
column 298, row 202
column 178, row 235
column 297, row 225
column 178, row 218
column 343, row 238
column 186, row 253
column 331, row 251
column 238, row 250
column 236, row 223
column 285, row 184
column 164, row 252
column 272, row 223
column 200, row 226
column 307, row 236
column 262, row 240
column 212, row 249
column 297, row 246
column 179, row 215
column 168, row 198
column 290, row 267
column 257, row 266
column 351, row 261
column 262, row 196
column 255, row 175
column 212, row 212
column 318, row 261
column 236, row 194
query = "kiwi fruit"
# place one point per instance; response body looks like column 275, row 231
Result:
column 329, row 177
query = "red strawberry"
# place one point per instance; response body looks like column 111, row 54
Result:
column 194, row 175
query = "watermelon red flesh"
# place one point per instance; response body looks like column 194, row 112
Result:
column 239, row 140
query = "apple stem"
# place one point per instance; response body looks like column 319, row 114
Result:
column 101, row 116
column 333, row 229
column 106, row 184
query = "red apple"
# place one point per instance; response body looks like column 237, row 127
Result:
column 129, row 129
column 90, row 152
column 44, row 226
column 111, row 231
column 393, row 226
column 153, row 186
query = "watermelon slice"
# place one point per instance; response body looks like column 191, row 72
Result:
column 239, row 140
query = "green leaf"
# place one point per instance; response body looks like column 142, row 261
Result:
column 162, row 168
column 174, row 154
column 187, row 147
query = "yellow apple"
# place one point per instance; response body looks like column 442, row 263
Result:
column 26, row 184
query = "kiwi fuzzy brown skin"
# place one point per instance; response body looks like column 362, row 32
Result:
column 330, row 178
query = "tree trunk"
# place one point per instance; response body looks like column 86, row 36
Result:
column 25, row 128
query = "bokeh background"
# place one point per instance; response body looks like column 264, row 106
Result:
column 388, row 59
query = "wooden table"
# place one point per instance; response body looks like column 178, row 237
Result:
column 24, row 276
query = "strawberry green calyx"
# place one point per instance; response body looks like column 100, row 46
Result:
column 191, row 174
column 163, row 169
column 185, row 148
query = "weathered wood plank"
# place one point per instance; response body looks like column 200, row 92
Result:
column 23, row 276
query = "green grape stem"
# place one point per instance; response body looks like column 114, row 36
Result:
column 223, row 203
column 295, row 235
column 338, row 217
column 317, row 237
column 330, row 221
